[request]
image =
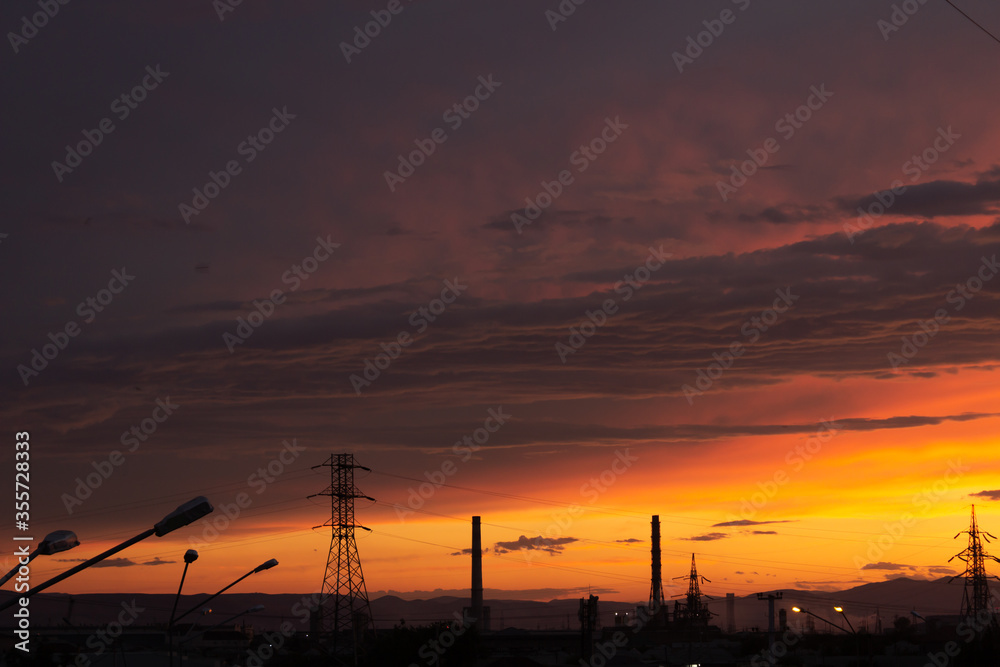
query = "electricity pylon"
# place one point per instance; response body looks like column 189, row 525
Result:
column 344, row 609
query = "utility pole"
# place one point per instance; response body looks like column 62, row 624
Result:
column 588, row 624
column 770, row 597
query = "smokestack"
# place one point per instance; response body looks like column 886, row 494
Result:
column 477, row 572
column 656, row 582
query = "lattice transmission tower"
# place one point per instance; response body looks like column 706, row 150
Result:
column 694, row 611
column 977, row 600
column 345, row 614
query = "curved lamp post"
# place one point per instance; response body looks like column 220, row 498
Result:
column 839, row 610
column 267, row 565
column 252, row 610
column 799, row 610
column 54, row 543
column 190, row 556
column 857, row 639
column 187, row 513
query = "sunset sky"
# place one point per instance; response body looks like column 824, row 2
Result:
column 637, row 261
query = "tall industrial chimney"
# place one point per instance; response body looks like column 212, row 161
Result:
column 477, row 573
column 656, row 583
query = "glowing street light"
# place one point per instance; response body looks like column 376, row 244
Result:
column 857, row 640
column 799, row 610
column 54, row 543
column 840, row 610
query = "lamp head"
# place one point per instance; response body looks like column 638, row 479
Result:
column 266, row 566
column 839, row 610
column 58, row 541
column 796, row 610
column 190, row 556
column 187, row 513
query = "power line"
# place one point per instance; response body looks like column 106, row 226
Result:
column 974, row 21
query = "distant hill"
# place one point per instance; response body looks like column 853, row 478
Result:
column 896, row 597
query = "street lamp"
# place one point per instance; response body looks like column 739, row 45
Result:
column 799, row 610
column 857, row 639
column 190, row 556
column 55, row 542
column 267, row 565
column 252, row 610
column 187, row 513
column 840, row 610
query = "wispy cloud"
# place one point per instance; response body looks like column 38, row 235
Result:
column 707, row 537
column 551, row 545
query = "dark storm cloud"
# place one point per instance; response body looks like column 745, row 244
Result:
column 786, row 214
column 936, row 198
column 854, row 303
column 548, row 220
